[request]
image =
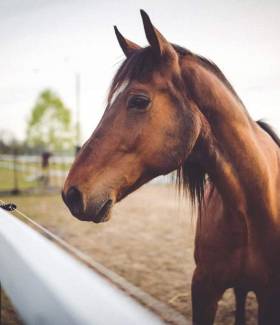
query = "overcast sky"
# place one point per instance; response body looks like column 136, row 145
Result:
column 44, row 43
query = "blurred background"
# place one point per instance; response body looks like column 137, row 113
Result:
column 58, row 58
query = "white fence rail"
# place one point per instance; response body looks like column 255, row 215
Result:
column 37, row 158
column 24, row 162
column 47, row 286
column 28, row 173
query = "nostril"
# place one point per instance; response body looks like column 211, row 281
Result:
column 74, row 200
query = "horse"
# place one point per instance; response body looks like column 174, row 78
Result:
column 170, row 109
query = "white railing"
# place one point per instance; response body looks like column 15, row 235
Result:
column 6, row 161
column 37, row 158
column 48, row 286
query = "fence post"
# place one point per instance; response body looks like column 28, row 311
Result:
column 15, row 171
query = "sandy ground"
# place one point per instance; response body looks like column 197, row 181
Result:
column 149, row 241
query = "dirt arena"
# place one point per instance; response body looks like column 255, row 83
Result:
column 148, row 241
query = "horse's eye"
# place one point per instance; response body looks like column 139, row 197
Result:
column 138, row 102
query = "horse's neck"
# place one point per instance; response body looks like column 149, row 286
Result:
column 241, row 159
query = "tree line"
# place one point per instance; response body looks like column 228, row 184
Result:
column 49, row 128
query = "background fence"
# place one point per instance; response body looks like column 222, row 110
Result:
column 28, row 173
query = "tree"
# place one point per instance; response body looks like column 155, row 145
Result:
column 49, row 126
column 6, row 141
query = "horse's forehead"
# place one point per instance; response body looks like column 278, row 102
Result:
column 155, row 79
column 161, row 77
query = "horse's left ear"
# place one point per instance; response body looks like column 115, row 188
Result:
column 158, row 42
column 127, row 46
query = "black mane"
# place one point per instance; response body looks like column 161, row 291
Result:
column 268, row 128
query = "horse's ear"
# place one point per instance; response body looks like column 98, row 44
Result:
column 158, row 42
column 127, row 46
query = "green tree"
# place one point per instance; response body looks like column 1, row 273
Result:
column 49, row 126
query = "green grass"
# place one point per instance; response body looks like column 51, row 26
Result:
column 7, row 180
column 54, row 166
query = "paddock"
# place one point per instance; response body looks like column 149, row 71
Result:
column 47, row 286
column 148, row 242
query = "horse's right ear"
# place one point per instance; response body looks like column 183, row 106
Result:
column 127, row 46
column 158, row 42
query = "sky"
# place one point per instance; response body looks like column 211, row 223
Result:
column 46, row 43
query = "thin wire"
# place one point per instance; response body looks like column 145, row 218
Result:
column 47, row 233
column 85, row 259
column 151, row 303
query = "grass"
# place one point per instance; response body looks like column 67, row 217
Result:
column 7, row 180
column 53, row 165
column 29, row 176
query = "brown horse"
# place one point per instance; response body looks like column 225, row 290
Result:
column 169, row 109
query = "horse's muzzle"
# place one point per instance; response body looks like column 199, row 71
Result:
column 95, row 210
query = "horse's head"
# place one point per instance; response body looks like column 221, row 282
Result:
column 149, row 128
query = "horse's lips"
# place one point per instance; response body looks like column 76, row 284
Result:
column 103, row 214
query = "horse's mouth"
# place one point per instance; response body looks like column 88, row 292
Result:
column 103, row 213
column 96, row 214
